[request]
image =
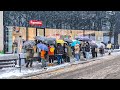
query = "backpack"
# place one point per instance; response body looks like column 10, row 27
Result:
column 52, row 49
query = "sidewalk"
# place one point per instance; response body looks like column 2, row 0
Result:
column 15, row 73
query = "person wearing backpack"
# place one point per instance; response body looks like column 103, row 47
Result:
column 51, row 55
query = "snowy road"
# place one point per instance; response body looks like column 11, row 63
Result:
column 107, row 67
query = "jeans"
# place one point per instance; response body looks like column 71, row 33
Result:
column 43, row 62
column 87, row 55
column 59, row 57
column 77, row 56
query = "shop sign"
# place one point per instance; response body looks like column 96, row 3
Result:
column 35, row 22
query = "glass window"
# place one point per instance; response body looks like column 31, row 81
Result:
column 12, row 34
column 31, row 33
column 40, row 32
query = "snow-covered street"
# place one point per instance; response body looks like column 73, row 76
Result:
column 99, row 69
column 84, row 68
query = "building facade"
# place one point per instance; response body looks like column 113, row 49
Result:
column 58, row 24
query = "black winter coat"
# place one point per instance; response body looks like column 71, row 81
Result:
column 87, row 48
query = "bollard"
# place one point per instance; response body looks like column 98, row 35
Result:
column 20, row 62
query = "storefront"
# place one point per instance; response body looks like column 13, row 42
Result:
column 12, row 33
column 12, row 28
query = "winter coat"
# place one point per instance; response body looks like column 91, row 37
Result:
column 60, row 50
column 49, row 52
column 30, row 53
column 43, row 54
column 87, row 48
column 69, row 51
column 109, row 46
column 77, row 49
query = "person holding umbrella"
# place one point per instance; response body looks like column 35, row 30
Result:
column 77, row 49
column 59, row 53
column 51, row 54
column 68, row 52
column 30, row 53
column 43, row 54
column 87, row 50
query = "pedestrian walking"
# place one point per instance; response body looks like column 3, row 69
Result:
column 83, row 50
column 64, row 53
column 51, row 55
column 109, row 46
column 43, row 59
column 77, row 49
column 59, row 53
column 96, row 51
column 101, row 49
column 87, row 50
column 29, row 59
column 68, row 52
column 93, row 52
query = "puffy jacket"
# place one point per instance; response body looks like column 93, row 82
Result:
column 30, row 53
column 60, row 50
column 77, row 49
column 87, row 48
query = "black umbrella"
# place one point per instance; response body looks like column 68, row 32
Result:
column 28, row 44
column 50, row 40
column 68, row 40
column 93, row 44
column 41, row 38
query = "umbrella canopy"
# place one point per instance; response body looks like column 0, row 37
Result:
column 60, row 41
column 51, row 39
column 42, row 46
column 81, row 38
column 75, row 42
column 68, row 40
column 93, row 44
column 101, row 45
column 41, row 38
column 28, row 44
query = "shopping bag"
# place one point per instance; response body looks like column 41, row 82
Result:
column 36, row 55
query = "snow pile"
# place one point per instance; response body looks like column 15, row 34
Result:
column 58, row 66
column 15, row 72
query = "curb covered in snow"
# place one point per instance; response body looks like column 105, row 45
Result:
column 51, row 69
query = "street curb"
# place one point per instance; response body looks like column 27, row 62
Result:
column 44, row 71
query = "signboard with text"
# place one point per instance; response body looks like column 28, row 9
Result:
column 35, row 23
